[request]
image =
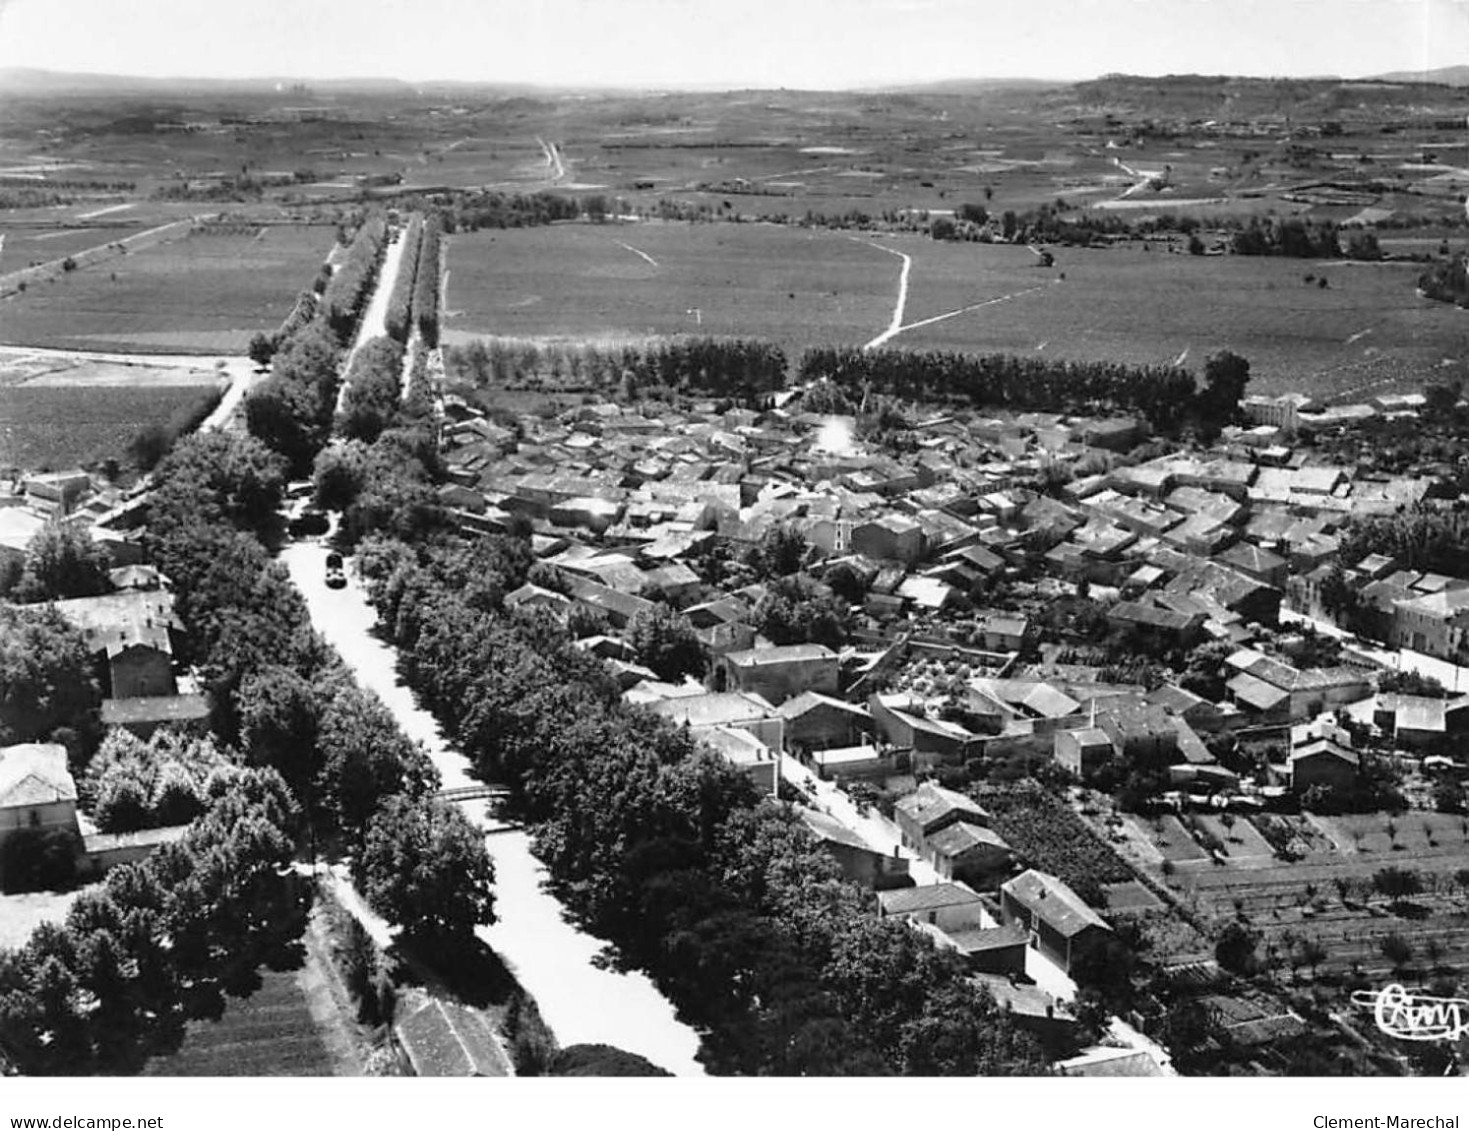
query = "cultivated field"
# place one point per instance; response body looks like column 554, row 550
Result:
column 270, row 1033
column 1327, row 893
column 794, row 287
column 1366, row 331
column 26, row 246
column 1302, row 901
column 205, row 293
column 51, row 427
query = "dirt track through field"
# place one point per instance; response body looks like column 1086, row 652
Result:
column 104, row 211
column 972, row 306
column 896, row 324
column 635, row 251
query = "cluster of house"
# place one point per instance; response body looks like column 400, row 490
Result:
column 1424, row 612
column 133, row 634
column 982, row 907
column 29, row 502
column 132, row 631
column 1198, row 548
column 38, row 793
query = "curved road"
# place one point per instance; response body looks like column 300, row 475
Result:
column 554, row 961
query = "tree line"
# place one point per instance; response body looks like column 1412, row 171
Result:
column 291, row 410
column 1168, row 397
column 469, row 210
column 374, row 389
column 279, row 694
column 1296, row 238
column 351, row 286
column 659, row 845
column 743, row 369
column 400, row 304
column 426, row 282
column 385, row 477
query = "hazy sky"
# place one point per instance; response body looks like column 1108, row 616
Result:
column 799, row 43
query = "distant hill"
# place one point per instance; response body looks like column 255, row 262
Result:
column 1243, row 98
column 971, row 86
column 29, row 80
column 1447, row 76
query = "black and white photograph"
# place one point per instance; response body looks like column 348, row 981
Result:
column 823, row 541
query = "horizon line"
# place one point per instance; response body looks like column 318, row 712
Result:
column 868, row 86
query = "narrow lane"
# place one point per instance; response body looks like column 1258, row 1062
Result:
column 553, row 960
column 879, row 834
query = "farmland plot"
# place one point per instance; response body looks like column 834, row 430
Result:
column 791, row 286
column 270, row 1033
column 1414, row 836
column 1329, row 896
column 1239, row 841
column 52, row 427
column 204, row 293
column 22, row 247
column 1284, row 907
column 1172, row 839
column 1367, row 331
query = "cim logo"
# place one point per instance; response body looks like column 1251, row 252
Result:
column 1415, row 1017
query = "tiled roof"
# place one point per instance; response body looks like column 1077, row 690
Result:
column 928, row 897
column 962, row 837
column 1053, row 902
column 35, row 773
column 933, row 803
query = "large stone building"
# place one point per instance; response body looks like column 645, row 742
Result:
column 1436, row 624
column 782, row 673
column 132, row 634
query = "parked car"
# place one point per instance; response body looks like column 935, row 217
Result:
column 309, row 523
column 336, row 575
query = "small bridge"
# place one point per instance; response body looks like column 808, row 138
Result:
column 473, row 792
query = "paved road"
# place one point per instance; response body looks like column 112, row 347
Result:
column 554, row 961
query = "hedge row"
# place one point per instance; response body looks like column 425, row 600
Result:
column 400, row 318
column 348, row 292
